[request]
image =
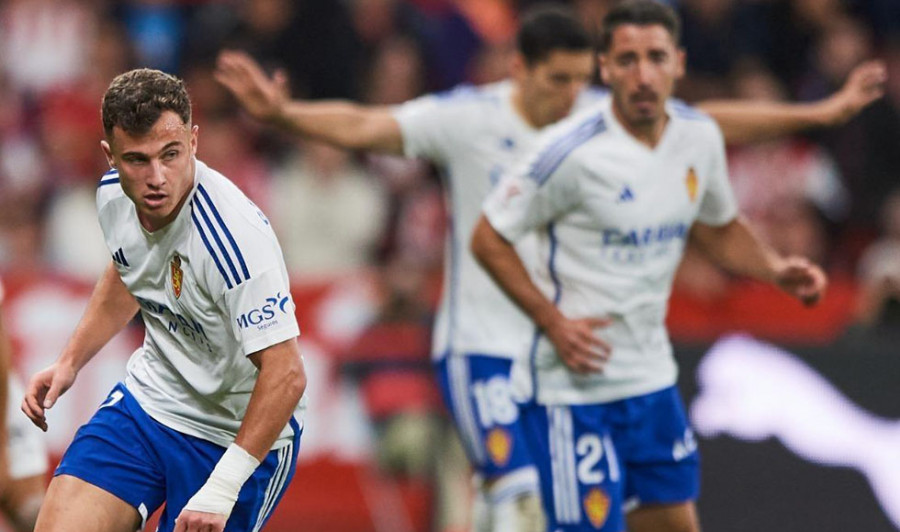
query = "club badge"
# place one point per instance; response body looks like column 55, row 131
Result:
column 596, row 506
column 691, row 183
column 177, row 275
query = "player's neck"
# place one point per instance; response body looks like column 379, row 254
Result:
column 527, row 112
column 647, row 133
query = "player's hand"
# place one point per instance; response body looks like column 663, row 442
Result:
column 191, row 521
column 864, row 85
column 261, row 96
column 577, row 345
column 802, row 279
column 44, row 389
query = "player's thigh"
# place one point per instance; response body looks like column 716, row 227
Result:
column 22, row 499
column 477, row 391
column 190, row 463
column 73, row 505
column 657, row 449
column 680, row 517
column 580, row 474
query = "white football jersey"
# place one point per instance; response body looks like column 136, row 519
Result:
column 612, row 216
column 212, row 289
column 474, row 135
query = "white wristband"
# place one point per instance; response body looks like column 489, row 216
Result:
column 221, row 490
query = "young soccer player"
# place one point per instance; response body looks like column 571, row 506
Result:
column 206, row 419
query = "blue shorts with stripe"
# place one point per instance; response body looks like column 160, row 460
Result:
column 596, row 461
column 476, row 390
column 124, row 451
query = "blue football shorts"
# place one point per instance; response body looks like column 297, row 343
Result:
column 476, row 390
column 124, row 451
column 597, row 461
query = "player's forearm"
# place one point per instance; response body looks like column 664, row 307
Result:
column 343, row 124
column 109, row 310
column 736, row 248
column 746, row 121
column 279, row 387
column 504, row 265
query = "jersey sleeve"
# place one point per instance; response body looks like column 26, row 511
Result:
column 262, row 311
column 718, row 205
column 246, row 268
column 429, row 124
column 535, row 193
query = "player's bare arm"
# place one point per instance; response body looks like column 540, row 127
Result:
column 735, row 247
column 278, row 389
column 109, row 310
column 576, row 344
column 745, row 121
column 344, row 124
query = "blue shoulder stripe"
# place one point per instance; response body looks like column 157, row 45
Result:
column 554, row 154
column 109, row 178
column 219, row 243
column 209, row 246
column 228, row 235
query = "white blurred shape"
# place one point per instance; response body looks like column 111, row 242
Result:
column 751, row 391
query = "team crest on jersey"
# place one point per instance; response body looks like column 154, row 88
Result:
column 499, row 446
column 177, row 275
column 596, row 506
column 691, row 183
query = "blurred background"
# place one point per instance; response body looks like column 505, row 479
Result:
column 363, row 240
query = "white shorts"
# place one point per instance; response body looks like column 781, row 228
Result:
column 27, row 452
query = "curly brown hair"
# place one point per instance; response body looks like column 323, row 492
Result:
column 135, row 100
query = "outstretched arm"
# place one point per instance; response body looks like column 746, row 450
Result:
column 343, row 124
column 279, row 386
column 745, row 121
column 109, row 310
column 736, row 248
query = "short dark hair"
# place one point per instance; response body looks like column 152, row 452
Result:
column 135, row 100
column 641, row 13
column 547, row 28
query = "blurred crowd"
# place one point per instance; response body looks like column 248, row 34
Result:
column 338, row 212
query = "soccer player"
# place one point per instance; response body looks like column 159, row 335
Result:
column 23, row 457
column 615, row 193
column 474, row 134
column 205, row 419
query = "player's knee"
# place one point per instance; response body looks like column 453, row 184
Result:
column 520, row 514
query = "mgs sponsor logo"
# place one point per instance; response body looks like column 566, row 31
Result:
column 265, row 315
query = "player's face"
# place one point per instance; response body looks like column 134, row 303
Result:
column 641, row 67
column 550, row 87
column 156, row 170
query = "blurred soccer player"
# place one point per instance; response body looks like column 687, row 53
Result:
column 474, row 134
column 614, row 193
column 23, row 458
column 205, row 419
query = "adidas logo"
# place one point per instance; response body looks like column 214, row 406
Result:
column 626, row 195
column 119, row 258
